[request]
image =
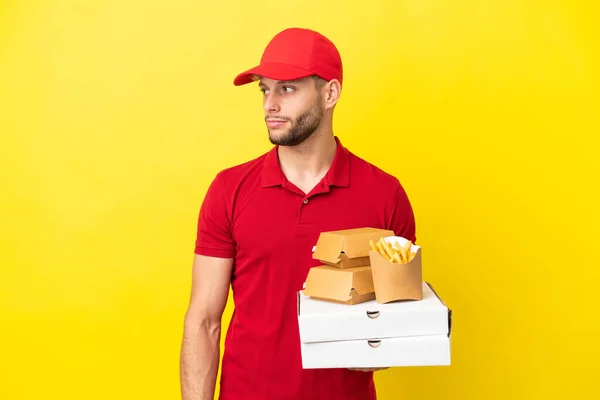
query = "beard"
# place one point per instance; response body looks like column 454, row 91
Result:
column 302, row 127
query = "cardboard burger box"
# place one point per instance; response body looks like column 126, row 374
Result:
column 371, row 334
column 347, row 248
column 346, row 286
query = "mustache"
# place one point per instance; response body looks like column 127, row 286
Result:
column 281, row 118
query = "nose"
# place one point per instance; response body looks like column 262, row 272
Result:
column 270, row 104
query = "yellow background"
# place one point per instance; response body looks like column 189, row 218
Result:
column 115, row 116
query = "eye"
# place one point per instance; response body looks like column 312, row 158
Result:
column 288, row 89
column 264, row 91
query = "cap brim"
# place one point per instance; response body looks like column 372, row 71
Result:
column 277, row 71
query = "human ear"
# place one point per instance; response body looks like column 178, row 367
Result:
column 332, row 91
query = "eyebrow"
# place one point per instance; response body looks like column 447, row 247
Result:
column 278, row 83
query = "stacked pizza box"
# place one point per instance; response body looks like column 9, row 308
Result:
column 367, row 306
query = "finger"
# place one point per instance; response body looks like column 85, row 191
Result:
column 368, row 369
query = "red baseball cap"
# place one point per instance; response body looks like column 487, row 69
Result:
column 296, row 53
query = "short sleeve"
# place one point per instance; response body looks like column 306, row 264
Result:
column 402, row 218
column 214, row 236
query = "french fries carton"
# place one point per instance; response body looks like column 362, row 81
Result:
column 397, row 270
column 346, row 286
column 347, row 248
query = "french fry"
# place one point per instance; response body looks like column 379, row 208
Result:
column 402, row 256
column 398, row 250
column 395, row 252
column 372, row 244
column 382, row 251
column 407, row 246
column 406, row 250
column 388, row 249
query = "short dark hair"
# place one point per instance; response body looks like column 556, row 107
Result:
column 319, row 82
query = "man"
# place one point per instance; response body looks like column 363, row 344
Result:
column 258, row 224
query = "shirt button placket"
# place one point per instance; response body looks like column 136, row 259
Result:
column 304, row 202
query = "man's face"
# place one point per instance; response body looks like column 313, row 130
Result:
column 293, row 109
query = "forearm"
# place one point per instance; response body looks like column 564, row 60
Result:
column 200, row 353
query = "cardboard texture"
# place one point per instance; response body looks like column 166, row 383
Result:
column 347, row 286
column 347, row 248
column 394, row 281
column 323, row 321
column 432, row 350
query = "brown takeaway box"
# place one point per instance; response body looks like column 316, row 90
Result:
column 347, row 286
column 348, row 248
column 393, row 281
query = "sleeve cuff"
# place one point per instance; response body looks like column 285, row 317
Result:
column 213, row 252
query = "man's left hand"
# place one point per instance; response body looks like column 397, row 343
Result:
column 368, row 369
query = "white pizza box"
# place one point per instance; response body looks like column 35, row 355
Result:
column 326, row 321
column 410, row 351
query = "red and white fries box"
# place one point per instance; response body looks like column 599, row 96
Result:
column 373, row 335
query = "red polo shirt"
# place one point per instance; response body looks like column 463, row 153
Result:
column 253, row 213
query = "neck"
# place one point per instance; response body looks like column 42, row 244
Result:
column 306, row 164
